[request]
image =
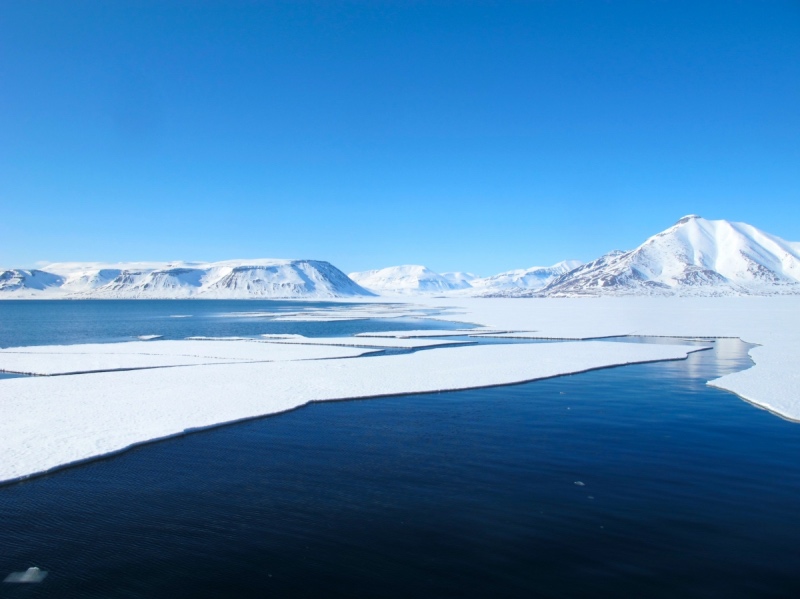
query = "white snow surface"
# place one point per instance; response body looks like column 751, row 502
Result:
column 693, row 257
column 50, row 422
column 413, row 279
column 462, row 280
column 406, row 279
column 426, row 333
column 49, row 360
column 773, row 322
column 259, row 278
column 533, row 278
column 373, row 342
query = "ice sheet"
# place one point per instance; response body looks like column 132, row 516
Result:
column 358, row 341
column 511, row 335
column 425, row 333
column 53, row 421
column 773, row 322
column 48, row 360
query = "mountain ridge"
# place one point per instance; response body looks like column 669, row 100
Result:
column 694, row 256
column 230, row 279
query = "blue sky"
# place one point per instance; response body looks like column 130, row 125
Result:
column 476, row 136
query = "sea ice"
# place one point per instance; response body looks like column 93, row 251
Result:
column 425, row 333
column 773, row 322
column 49, row 422
column 365, row 341
column 48, row 360
column 30, row 575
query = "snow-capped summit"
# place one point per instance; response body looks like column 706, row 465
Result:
column 410, row 278
column 694, row 256
column 262, row 278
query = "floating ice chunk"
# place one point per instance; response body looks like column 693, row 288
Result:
column 33, row 574
column 149, row 337
column 580, row 483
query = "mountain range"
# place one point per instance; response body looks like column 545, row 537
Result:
column 233, row 279
column 693, row 257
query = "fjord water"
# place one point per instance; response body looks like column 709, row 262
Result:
column 45, row 322
column 633, row 481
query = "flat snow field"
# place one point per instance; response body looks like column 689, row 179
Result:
column 367, row 342
column 49, row 422
column 429, row 333
column 772, row 322
column 49, row 360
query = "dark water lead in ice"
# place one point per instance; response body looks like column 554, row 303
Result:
column 686, row 491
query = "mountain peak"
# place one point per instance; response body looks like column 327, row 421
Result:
column 695, row 256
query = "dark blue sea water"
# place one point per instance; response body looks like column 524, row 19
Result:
column 685, row 491
column 43, row 322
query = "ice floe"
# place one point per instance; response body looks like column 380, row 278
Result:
column 50, row 422
column 49, row 360
column 773, row 322
column 425, row 333
column 358, row 341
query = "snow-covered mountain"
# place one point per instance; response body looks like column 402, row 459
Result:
column 409, row 279
column 264, row 278
column 463, row 280
column 693, row 257
column 412, row 279
column 17, row 280
column 514, row 282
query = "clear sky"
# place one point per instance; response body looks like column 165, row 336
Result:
column 477, row 136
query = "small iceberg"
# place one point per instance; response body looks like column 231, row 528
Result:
column 149, row 337
column 33, row 574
